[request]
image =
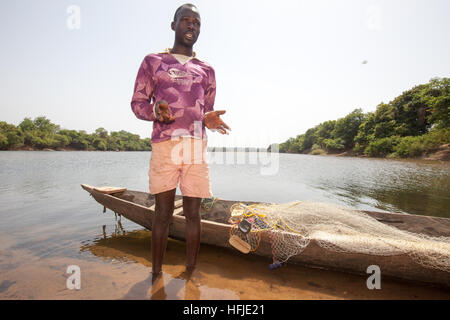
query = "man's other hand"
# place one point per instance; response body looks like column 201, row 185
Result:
column 213, row 122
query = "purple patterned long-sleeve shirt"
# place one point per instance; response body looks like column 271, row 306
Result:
column 189, row 89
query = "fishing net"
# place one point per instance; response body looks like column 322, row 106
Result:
column 293, row 225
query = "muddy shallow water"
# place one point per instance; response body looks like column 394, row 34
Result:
column 118, row 267
column 47, row 223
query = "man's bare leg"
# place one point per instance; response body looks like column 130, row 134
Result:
column 191, row 209
column 160, row 228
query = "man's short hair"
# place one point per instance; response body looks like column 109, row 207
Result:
column 184, row 6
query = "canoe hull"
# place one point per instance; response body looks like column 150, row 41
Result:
column 217, row 234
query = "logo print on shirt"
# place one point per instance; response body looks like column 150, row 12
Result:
column 180, row 77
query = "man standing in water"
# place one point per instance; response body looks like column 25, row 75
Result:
column 176, row 91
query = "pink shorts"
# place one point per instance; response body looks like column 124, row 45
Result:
column 181, row 161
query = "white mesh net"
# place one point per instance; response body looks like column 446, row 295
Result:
column 293, row 225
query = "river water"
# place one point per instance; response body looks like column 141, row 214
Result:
column 47, row 223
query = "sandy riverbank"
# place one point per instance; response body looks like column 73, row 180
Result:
column 442, row 154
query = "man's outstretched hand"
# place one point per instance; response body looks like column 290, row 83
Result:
column 163, row 113
column 213, row 122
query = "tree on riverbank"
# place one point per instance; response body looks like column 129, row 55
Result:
column 413, row 124
column 41, row 133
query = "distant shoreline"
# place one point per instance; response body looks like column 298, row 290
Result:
column 210, row 149
column 443, row 154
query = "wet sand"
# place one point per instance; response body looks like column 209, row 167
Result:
column 118, row 266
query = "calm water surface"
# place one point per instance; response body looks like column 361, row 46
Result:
column 48, row 222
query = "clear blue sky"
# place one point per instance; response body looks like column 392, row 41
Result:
column 281, row 66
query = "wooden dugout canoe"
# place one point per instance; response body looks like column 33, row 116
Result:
column 139, row 208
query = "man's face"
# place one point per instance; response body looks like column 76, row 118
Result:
column 187, row 27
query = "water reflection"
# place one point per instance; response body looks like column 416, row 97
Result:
column 225, row 274
column 134, row 247
column 415, row 187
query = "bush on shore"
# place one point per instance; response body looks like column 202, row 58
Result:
column 41, row 133
column 408, row 147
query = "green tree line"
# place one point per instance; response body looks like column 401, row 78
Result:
column 415, row 123
column 41, row 133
